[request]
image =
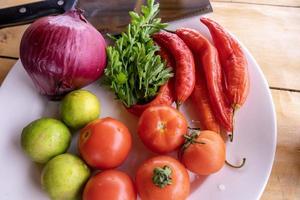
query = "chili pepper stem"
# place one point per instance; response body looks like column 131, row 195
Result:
column 170, row 31
column 178, row 104
column 191, row 128
column 235, row 108
column 231, row 137
column 236, row 166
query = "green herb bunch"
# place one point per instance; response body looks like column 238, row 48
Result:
column 134, row 70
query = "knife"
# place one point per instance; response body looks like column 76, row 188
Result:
column 106, row 15
column 27, row 13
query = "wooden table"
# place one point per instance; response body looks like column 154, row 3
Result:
column 271, row 31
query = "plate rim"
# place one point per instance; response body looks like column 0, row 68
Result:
column 274, row 145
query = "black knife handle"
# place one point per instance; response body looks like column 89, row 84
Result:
column 24, row 14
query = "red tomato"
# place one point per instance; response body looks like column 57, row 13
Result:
column 161, row 128
column 104, row 143
column 162, row 178
column 109, row 185
column 205, row 154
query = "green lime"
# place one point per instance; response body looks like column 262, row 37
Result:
column 79, row 108
column 45, row 138
column 64, row 176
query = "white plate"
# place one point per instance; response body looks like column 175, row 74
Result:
column 255, row 137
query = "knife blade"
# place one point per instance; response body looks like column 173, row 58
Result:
column 112, row 16
column 107, row 16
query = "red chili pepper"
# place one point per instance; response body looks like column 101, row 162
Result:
column 185, row 66
column 164, row 97
column 201, row 102
column 165, row 93
column 208, row 55
column 234, row 63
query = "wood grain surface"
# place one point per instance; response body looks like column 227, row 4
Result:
column 5, row 66
column 271, row 31
column 284, row 183
column 281, row 3
column 10, row 40
column 8, row 3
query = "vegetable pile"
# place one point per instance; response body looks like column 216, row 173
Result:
column 148, row 69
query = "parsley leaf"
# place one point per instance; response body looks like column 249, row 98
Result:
column 134, row 70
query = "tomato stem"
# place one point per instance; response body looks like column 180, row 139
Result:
column 191, row 139
column 236, row 166
column 162, row 176
column 161, row 126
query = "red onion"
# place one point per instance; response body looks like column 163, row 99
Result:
column 62, row 53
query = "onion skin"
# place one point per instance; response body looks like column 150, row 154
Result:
column 62, row 53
